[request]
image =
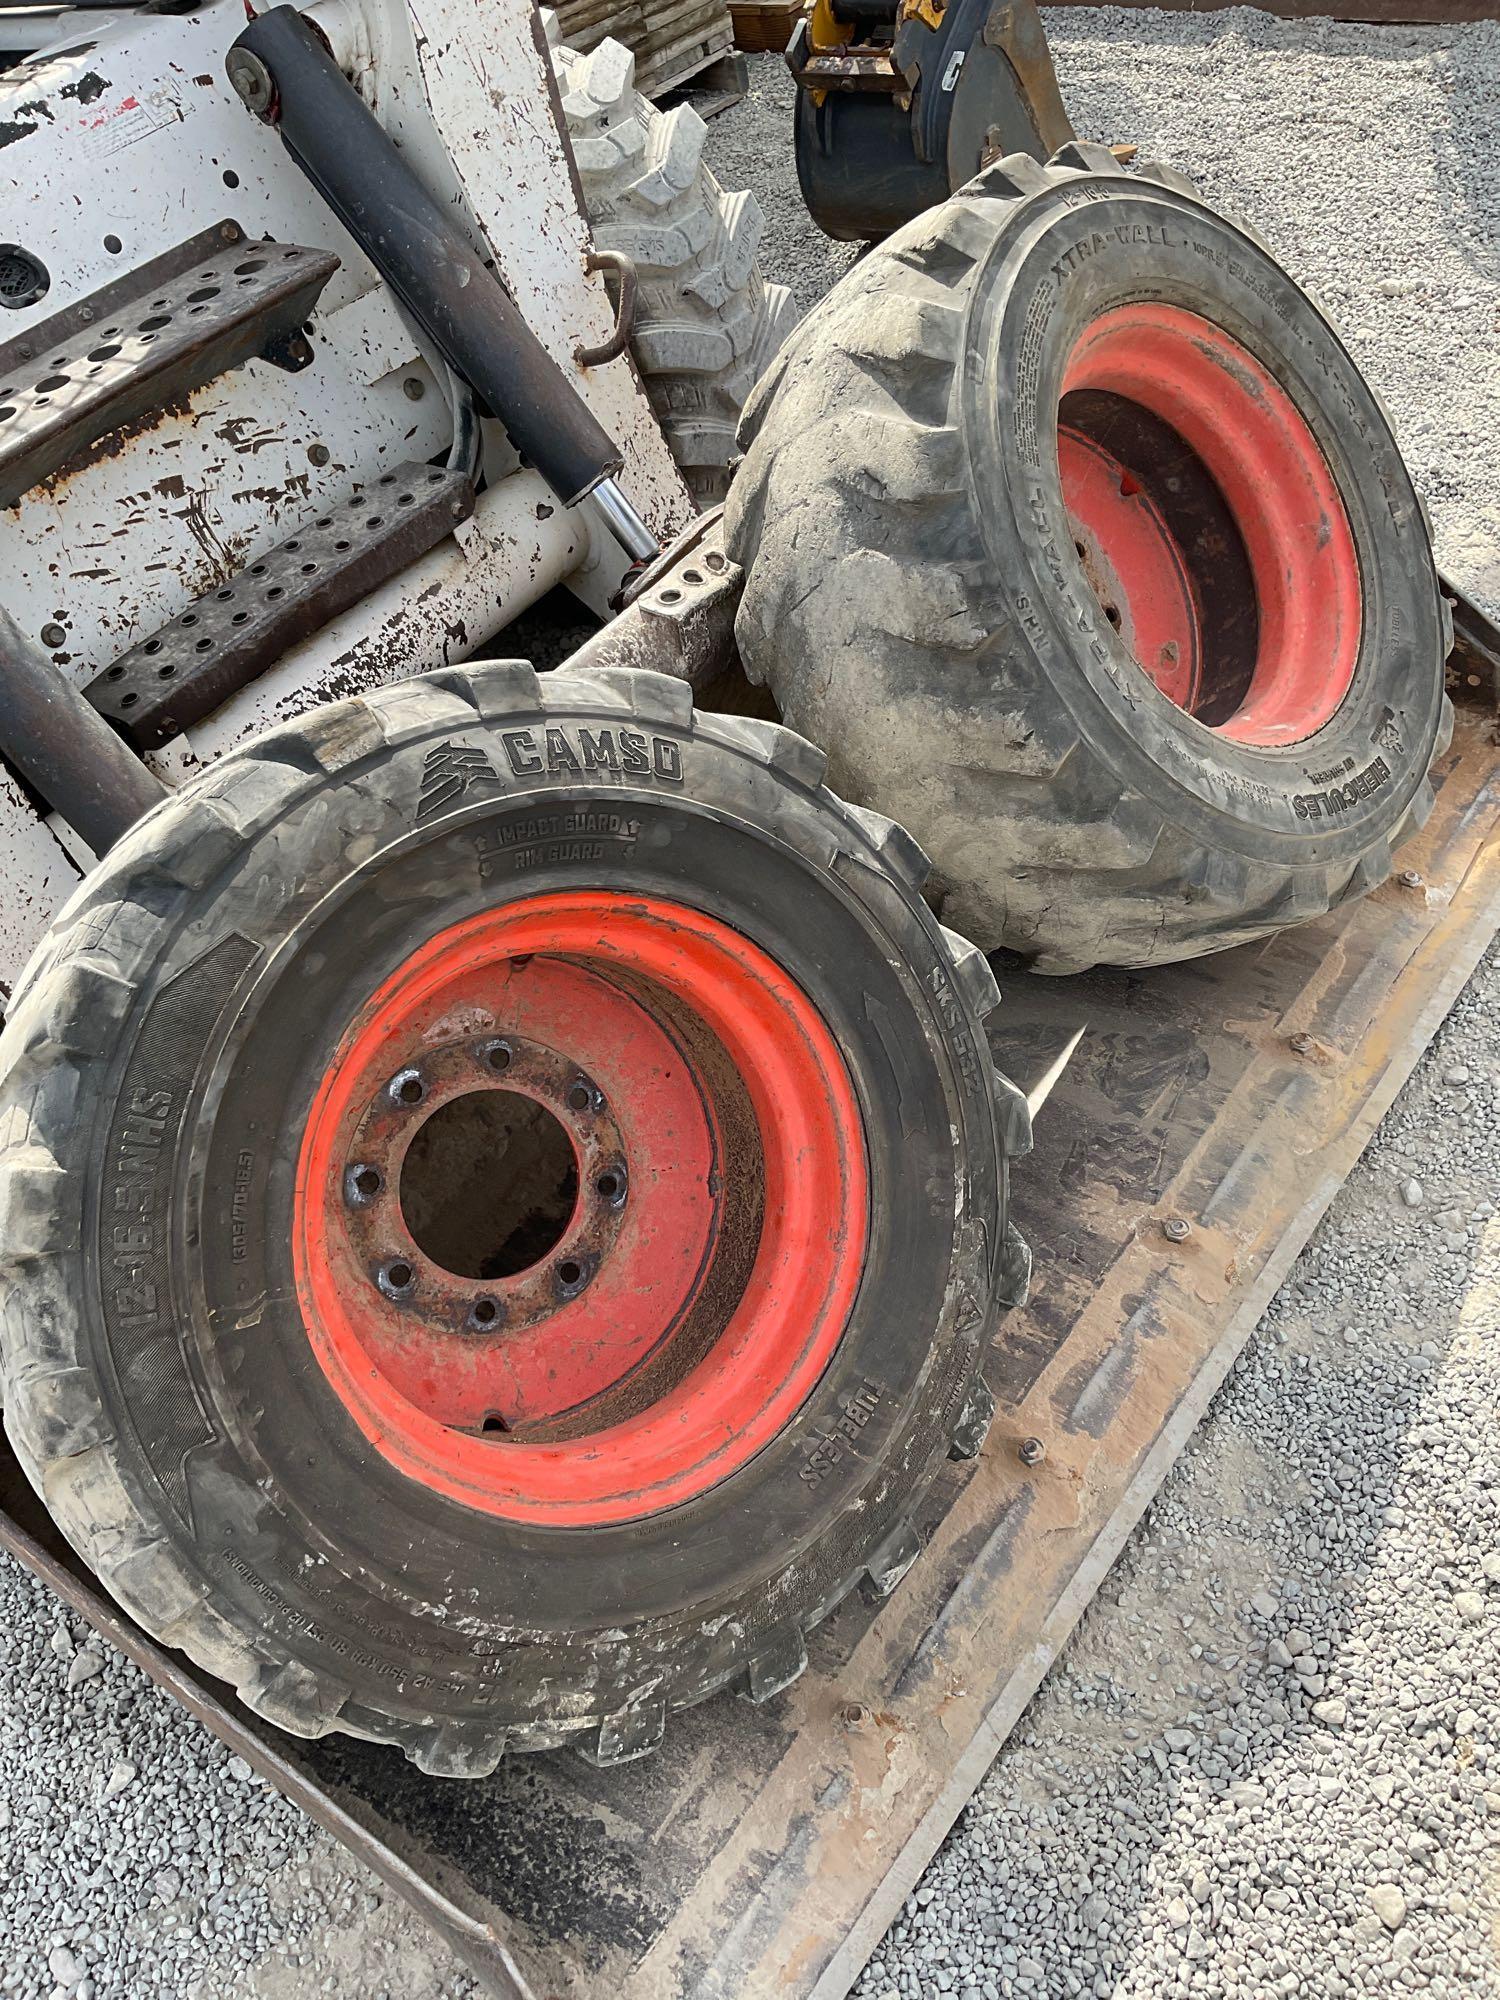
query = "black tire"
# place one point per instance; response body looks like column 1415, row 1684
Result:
column 159, row 1384
column 914, row 602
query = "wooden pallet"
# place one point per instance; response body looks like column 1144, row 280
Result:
column 671, row 39
column 762, row 26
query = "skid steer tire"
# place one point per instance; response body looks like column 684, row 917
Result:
column 964, row 616
column 707, row 324
column 265, row 1354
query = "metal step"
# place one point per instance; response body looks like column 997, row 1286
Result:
column 147, row 341
column 224, row 641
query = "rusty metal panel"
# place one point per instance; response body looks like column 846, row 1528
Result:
column 764, row 1850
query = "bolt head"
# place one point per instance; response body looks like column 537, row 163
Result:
column 1410, row 879
column 1302, row 1044
column 1177, row 1228
column 854, row 1714
column 1032, row 1451
column 251, row 81
column 53, row 635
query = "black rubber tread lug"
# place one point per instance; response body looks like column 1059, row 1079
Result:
column 1086, row 156
column 772, row 744
column 493, row 688
column 1170, row 177
column 886, row 1565
column 653, row 697
column 1013, row 1113
column 1010, row 178
column 622, row 1738
column 973, row 974
column 295, row 1698
column 890, row 840
column 973, row 1426
column 1015, row 1269
column 778, row 1663
column 454, row 1751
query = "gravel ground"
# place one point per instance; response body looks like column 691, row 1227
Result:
column 1268, row 1763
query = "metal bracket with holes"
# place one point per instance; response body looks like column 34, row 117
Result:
column 105, row 362
column 224, row 641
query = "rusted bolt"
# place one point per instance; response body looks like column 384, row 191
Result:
column 854, row 1715
column 54, row 635
column 1032, row 1451
column 1177, row 1229
column 1302, row 1044
column 1409, row 879
column 318, row 454
column 86, row 314
column 414, row 388
column 406, row 1089
column 361, row 1185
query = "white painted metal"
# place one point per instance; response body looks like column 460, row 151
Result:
column 126, row 142
column 37, row 873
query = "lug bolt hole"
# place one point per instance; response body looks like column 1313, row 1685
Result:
column 362, row 1184
column 496, row 1055
column 1112, row 613
column 572, row 1276
column 396, row 1278
column 406, row 1088
column 611, row 1185
column 483, row 1312
column 494, row 1424
column 582, row 1098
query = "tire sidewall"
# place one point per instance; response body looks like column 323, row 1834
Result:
column 1068, row 255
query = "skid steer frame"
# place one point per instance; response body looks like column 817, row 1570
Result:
column 1207, row 1121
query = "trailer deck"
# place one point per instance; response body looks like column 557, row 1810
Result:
column 1206, row 1122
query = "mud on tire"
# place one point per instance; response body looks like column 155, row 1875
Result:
column 707, row 323
column 442, row 1489
column 1074, row 533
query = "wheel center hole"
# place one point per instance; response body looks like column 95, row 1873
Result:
column 489, row 1184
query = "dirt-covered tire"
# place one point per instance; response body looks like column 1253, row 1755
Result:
column 707, row 323
column 1151, row 675
column 489, row 1458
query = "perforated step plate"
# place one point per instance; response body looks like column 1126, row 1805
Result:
column 221, row 643
column 100, row 364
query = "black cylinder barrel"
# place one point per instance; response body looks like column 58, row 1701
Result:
column 64, row 749
column 420, row 251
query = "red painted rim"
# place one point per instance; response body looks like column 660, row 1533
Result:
column 1165, row 592
column 681, row 1062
